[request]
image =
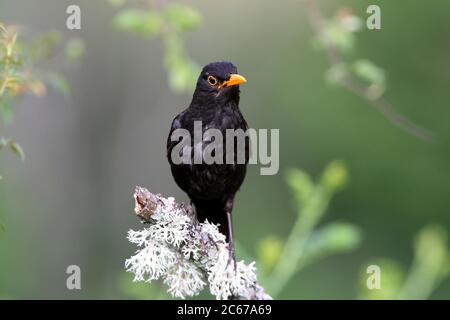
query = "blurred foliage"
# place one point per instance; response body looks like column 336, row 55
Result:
column 74, row 49
column 141, row 290
column 397, row 184
column 392, row 277
column 306, row 244
column 268, row 253
column 430, row 267
column 362, row 77
column 339, row 34
column 21, row 72
column 13, row 146
column 169, row 23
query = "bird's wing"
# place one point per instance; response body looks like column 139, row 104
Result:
column 176, row 124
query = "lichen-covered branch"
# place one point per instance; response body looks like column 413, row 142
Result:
column 185, row 254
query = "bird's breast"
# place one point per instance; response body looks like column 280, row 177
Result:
column 221, row 173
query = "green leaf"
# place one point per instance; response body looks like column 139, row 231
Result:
column 182, row 17
column 335, row 176
column 335, row 34
column 43, row 47
column 183, row 76
column 369, row 72
column 333, row 238
column 17, row 149
column 183, row 72
column 301, row 184
column 75, row 49
column 392, row 278
column 431, row 249
column 269, row 251
column 13, row 146
column 142, row 22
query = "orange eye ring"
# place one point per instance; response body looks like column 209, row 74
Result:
column 212, row 81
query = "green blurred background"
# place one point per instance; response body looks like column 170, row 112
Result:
column 71, row 201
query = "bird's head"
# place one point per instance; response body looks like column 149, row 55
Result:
column 218, row 82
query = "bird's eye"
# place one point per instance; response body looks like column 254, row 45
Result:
column 212, row 81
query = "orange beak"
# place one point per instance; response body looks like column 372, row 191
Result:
column 234, row 80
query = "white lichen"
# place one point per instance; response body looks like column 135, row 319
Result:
column 184, row 279
column 186, row 254
column 225, row 281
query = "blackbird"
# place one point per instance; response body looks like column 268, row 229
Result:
column 212, row 187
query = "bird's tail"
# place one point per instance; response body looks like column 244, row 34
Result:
column 214, row 212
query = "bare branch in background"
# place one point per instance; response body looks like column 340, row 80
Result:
column 350, row 82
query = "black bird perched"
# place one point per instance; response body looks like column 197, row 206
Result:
column 212, row 187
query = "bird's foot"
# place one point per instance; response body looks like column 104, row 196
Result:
column 207, row 241
column 231, row 256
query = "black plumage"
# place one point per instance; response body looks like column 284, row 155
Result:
column 212, row 187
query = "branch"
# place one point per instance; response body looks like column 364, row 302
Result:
column 184, row 253
column 357, row 87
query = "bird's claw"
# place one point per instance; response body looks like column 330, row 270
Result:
column 231, row 256
column 207, row 241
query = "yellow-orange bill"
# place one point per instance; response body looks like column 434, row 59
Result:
column 234, row 80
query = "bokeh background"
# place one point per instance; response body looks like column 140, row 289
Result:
column 71, row 202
